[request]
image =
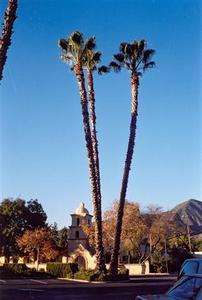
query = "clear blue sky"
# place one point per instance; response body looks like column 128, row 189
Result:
column 43, row 153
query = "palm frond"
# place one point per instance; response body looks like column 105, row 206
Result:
column 103, row 69
column 139, row 73
column 148, row 53
column 72, row 68
column 119, row 57
column 116, row 67
column 129, row 50
column 91, row 59
column 122, row 47
column 66, row 58
column 149, row 65
column 77, row 38
column 62, row 43
column 96, row 57
column 133, row 57
column 141, row 46
column 127, row 65
column 90, row 43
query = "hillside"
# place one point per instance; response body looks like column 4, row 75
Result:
column 189, row 213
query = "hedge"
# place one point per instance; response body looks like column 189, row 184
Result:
column 62, row 270
column 20, row 270
column 85, row 275
column 13, row 270
column 92, row 275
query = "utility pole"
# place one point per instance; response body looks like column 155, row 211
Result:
column 189, row 238
column 150, row 243
column 166, row 257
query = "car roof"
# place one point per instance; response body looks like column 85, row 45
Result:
column 193, row 259
column 193, row 275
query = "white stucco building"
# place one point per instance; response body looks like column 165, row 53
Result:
column 78, row 249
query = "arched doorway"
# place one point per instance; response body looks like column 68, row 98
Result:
column 81, row 262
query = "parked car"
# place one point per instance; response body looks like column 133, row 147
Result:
column 191, row 266
column 188, row 287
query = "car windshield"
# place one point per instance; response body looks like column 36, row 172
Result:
column 190, row 267
column 187, row 288
column 200, row 267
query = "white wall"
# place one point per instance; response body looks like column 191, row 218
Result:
column 137, row 269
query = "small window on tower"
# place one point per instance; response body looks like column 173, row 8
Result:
column 77, row 234
column 78, row 221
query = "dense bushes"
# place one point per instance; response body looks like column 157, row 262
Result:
column 85, row 275
column 62, row 270
column 175, row 258
column 123, row 273
column 178, row 256
column 12, row 270
column 92, row 275
column 21, row 270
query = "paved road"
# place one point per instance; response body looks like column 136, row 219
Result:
column 53, row 289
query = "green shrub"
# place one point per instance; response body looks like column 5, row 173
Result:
column 99, row 276
column 123, row 273
column 73, row 267
column 16, row 268
column 13, row 270
column 63, row 270
column 85, row 275
column 21, row 270
column 92, row 275
column 38, row 274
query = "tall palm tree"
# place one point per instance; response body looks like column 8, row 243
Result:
column 136, row 58
column 5, row 40
column 74, row 50
column 90, row 61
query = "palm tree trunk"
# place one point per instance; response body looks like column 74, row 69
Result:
column 5, row 40
column 91, row 98
column 87, row 132
column 129, row 156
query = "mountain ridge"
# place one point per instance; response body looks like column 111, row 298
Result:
column 188, row 213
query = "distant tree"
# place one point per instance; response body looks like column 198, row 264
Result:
column 16, row 216
column 38, row 243
column 136, row 58
column 133, row 232
column 63, row 239
column 55, row 232
column 170, row 249
column 160, row 228
column 133, row 228
column 60, row 237
column 5, row 39
column 168, row 242
column 151, row 214
column 197, row 244
column 36, row 215
column 89, row 230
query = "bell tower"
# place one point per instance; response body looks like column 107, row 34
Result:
column 76, row 234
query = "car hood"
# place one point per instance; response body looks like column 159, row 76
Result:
column 155, row 297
